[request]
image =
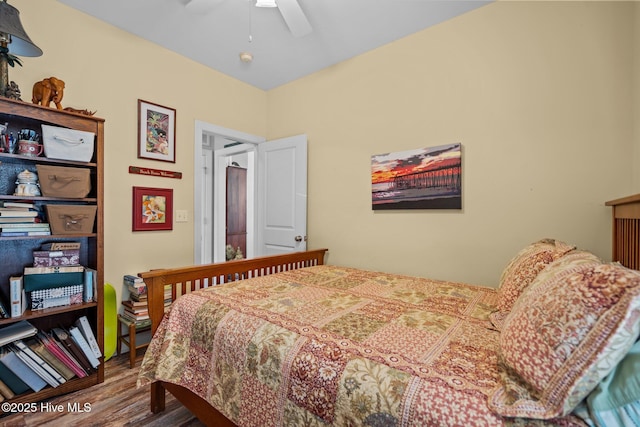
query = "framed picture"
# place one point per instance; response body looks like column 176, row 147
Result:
column 424, row 178
column 152, row 209
column 156, row 132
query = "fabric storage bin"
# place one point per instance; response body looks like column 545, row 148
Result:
column 67, row 144
column 71, row 219
column 59, row 181
column 56, row 297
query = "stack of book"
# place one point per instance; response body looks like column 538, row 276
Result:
column 31, row 360
column 21, row 219
column 136, row 308
column 54, row 286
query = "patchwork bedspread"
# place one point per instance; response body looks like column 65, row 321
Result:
column 329, row 345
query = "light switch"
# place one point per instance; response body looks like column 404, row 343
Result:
column 182, row 216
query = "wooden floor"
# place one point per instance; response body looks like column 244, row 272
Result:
column 116, row 402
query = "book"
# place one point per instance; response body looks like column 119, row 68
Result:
column 25, row 220
column 142, row 323
column 138, row 298
column 134, row 284
column 17, row 213
column 38, row 347
column 83, row 324
column 23, row 205
column 35, row 365
column 22, row 346
column 54, row 269
column 130, row 278
column 138, row 310
column 39, row 278
column 70, row 345
column 6, row 391
column 135, row 304
column 90, row 277
column 57, row 349
column 24, row 372
column 15, row 384
column 81, row 341
column 25, row 225
column 4, row 313
column 13, row 208
column 17, row 331
column 15, row 296
column 17, row 304
column 24, row 233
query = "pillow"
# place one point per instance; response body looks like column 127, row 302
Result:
column 563, row 336
column 616, row 400
column 524, row 267
column 570, row 259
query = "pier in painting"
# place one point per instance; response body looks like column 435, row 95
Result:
column 429, row 178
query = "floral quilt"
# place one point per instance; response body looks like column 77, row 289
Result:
column 335, row 346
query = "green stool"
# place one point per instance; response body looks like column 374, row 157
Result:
column 110, row 321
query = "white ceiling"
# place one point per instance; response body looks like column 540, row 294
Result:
column 342, row 29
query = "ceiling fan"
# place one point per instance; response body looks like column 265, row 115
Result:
column 291, row 12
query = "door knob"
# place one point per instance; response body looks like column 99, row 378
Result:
column 298, row 239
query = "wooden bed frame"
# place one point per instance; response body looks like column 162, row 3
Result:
column 626, row 231
column 187, row 279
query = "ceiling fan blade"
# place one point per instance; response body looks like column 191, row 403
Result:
column 294, row 17
column 201, row 6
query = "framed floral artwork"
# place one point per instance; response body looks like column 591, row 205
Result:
column 152, row 209
column 156, row 132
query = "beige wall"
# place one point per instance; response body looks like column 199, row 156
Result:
column 539, row 95
column 108, row 70
column 636, row 100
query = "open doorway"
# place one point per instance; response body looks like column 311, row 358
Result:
column 276, row 192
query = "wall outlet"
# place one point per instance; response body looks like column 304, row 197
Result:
column 182, row 216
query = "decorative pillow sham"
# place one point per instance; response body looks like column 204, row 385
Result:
column 563, row 336
column 570, row 259
column 524, row 267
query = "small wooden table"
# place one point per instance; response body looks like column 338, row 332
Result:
column 130, row 338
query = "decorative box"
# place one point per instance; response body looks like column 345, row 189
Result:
column 56, row 297
column 56, row 258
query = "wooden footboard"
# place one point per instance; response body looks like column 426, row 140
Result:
column 174, row 282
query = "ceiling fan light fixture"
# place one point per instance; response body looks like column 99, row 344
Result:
column 246, row 57
column 266, row 3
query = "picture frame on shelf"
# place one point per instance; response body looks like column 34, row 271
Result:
column 152, row 209
column 156, row 132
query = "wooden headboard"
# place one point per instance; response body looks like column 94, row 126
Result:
column 626, row 231
column 167, row 284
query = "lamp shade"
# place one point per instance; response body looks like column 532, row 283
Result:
column 10, row 24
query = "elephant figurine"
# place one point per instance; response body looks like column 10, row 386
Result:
column 47, row 91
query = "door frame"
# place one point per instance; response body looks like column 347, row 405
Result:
column 202, row 229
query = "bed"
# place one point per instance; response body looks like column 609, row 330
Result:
column 288, row 340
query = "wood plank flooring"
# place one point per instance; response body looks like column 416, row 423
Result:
column 116, row 402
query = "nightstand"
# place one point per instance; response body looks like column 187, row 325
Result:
column 130, row 338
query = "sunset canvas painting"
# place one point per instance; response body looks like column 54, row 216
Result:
column 425, row 178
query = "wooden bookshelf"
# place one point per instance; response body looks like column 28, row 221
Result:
column 17, row 252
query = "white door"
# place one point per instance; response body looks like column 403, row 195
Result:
column 282, row 195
